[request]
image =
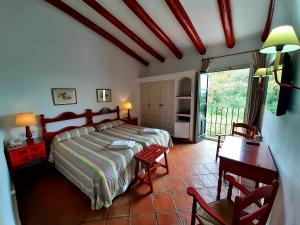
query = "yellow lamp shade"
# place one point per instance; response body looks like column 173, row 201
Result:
column 263, row 72
column 283, row 39
column 25, row 119
column 127, row 105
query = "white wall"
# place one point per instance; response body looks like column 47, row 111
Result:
column 283, row 136
column 42, row 48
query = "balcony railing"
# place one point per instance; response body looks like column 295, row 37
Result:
column 220, row 118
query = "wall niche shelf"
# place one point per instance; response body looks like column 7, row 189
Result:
column 183, row 102
column 184, row 87
column 183, row 97
column 183, row 114
column 182, row 119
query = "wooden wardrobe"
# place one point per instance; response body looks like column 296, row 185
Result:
column 157, row 105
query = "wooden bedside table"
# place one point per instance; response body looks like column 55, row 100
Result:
column 25, row 155
column 131, row 121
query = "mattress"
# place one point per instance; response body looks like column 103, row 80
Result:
column 84, row 159
column 132, row 132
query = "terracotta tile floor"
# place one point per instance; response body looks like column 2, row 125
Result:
column 53, row 200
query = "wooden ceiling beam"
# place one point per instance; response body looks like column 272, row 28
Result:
column 122, row 27
column 184, row 20
column 134, row 6
column 94, row 27
column 268, row 21
column 225, row 14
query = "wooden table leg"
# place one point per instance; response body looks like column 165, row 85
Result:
column 194, row 210
column 149, row 179
column 166, row 162
column 220, row 181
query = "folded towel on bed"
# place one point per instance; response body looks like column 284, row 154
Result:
column 150, row 131
column 121, row 144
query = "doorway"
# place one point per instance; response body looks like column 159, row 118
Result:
column 222, row 100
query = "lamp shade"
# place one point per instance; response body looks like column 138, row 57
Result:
column 282, row 39
column 25, row 119
column 263, row 72
column 127, row 105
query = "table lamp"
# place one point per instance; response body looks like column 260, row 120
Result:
column 127, row 106
column 281, row 39
column 26, row 119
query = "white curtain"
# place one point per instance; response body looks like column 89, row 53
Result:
column 256, row 91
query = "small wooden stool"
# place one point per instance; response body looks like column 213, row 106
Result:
column 148, row 156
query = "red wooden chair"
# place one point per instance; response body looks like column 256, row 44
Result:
column 249, row 133
column 226, row 212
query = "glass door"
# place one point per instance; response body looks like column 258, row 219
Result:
column 201, row 107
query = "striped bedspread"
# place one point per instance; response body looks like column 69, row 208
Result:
column 131, row 132
column 100, row 173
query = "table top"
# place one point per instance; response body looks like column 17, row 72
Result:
column 236, row 149
column 23, row 144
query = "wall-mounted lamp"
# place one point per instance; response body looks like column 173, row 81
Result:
column 262, row 72
column 281, row 39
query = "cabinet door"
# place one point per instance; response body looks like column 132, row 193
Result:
column 157, row 105
column 145, row 104
column 167, row 106
column 155, row 98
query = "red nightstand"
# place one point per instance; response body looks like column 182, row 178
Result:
column 24, row 155
column 131, row 121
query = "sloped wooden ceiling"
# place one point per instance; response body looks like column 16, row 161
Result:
column 158, row 29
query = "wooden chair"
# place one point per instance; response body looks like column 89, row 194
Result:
column 249, row 133
column 226, row 212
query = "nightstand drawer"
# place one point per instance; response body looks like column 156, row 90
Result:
column 26, row 154
column 36, row 148
column 19, row 158
column 16, row 153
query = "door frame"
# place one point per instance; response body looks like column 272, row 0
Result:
column 197, row 137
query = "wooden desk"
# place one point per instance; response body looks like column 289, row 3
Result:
column 245, row 160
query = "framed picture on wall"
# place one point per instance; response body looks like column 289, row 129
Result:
column 103, row 95
column 64, row 96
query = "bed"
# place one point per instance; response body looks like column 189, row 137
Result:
column 118, row 128
column 80, row 153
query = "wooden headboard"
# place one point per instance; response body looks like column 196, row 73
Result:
column 48, row 136
column 104, row 111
